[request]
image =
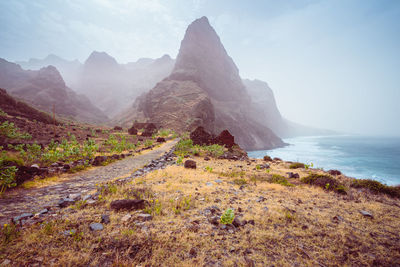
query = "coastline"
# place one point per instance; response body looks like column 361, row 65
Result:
column 361, row 157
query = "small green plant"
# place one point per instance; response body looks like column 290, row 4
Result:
column 179, row 161
column 209, row 169
column 154, row 207
column 258, row 167
column 227, row 217
column 327, row 186
column 182, row 205
column 79, row 205
column 307, row 166
column 2, row 113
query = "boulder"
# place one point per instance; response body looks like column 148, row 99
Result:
column 132, row 131
column 160, row 140
column 190, row 164
column 334, row 172
column 99, row 160
column 225, row 139
column 200, row 137
column 128, row 204
column 117, row 128
column 267, row 158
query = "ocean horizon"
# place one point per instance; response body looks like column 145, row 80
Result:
column 361, row 157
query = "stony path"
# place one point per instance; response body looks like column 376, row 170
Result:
column 33, row 200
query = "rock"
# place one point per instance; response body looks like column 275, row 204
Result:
column 265, row 209
column 43, row 211
column 237, row 222
column 99, row 160
column 293, row 175
column 214, row 220
column 260, row 199
column 66, row 167
column 249, row 262
column 75, row 197
column 126, row 218
column 277, row 159
column 22, row 217
column 264, row 166
column 366, row 214
column 252, row 222
column 209, row 184
column 218, row 181
column 128, row 204
column 87, row 197
column 105, row 218
column 160, row 139
column 6, row 262
column 69, row 232
column 190, row 164
column 35, row 166
column 132, row 131
column 144, row 217
column 117, row 128
column 334, row 172
column 200, row 137
column 337, row 219
column 206, row 158
column 193, row 252
column 96, row 227
column 65, row 202
column 267, row 158
column 225, row 139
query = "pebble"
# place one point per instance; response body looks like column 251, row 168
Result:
column 218, row 181
column 105, row 219
column 126, row 218
column 96, row 227
column 144, row 217
column 209, row 184
column 69, row 232
column 366, row 214
column 5, row 262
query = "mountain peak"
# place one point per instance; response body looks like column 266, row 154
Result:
column 203, row 58
column 100, row 58
column 50, row 75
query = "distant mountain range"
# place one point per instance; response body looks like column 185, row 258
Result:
column 111, row 86
column 46, row 88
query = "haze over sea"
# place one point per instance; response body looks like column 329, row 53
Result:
column 360, row 157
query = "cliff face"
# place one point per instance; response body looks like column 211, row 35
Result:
column 45, row 88
column 204, row 89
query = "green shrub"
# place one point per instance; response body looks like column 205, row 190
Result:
column 9, row 130
column 227, row 217
column 279, row 179
column 7, row 173
column 377, row 187
column 325, row 181
column 2, row 113
column 296, row 165
column 183, row 147
column 214, row 150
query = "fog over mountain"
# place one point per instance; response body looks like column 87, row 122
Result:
column 331, row 64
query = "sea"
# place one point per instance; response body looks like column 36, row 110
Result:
column 360, row 157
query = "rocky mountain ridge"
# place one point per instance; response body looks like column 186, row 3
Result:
column 45, row 89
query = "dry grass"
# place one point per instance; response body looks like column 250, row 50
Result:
column 297, row 225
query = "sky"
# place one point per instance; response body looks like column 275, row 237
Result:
column 331, row 64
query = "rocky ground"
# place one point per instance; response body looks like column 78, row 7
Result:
column 171, row 215
column 51, row 194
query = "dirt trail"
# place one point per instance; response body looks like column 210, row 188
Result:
column 35, row 199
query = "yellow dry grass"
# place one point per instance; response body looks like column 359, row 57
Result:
column 293, row 226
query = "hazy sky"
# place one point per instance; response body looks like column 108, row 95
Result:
column 331, row 64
